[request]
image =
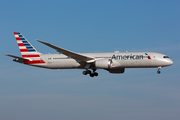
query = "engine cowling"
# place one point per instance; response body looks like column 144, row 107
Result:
column 106, row 64
column 110, row 65
column 103, row 63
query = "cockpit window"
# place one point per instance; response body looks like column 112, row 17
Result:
column 165, row 57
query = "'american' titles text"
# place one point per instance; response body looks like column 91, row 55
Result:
column 127, row 57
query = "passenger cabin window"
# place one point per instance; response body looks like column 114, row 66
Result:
column 165, row 57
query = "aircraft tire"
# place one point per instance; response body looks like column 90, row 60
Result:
column 85, row 73
column 91, row 75
column 88, row 72
column 95, row 74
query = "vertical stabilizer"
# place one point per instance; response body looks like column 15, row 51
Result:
column 27, row 50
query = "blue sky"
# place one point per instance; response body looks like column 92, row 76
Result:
column 90, row 26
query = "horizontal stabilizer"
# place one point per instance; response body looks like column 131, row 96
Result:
column 18, row 58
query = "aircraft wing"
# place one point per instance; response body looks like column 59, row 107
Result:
column 19, row 58
column 78, row 57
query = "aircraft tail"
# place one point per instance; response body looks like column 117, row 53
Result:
column 27, row 50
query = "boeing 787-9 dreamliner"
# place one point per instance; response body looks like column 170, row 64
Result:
column 114, row 62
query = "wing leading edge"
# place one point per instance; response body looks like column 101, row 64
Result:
column 78, row 57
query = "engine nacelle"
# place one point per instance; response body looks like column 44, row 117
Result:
column 106, row 64
column 103, row 63
column 118, row 70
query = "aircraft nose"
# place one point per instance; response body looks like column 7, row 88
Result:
column 167, row 62
column 170, row 62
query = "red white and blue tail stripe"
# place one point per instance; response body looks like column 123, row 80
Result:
column 27, row 50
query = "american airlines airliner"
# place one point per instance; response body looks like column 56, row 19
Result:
column 114, row 62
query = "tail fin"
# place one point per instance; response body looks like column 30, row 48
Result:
column 26, row 49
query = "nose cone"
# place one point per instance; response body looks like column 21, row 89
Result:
column 167, row 62
column 170, row 62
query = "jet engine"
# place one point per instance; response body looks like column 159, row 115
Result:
column 110, row 65
column 106, row 64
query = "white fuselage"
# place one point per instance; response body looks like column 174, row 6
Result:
column 123, row 60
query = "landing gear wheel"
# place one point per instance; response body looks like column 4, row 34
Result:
column 91, row 75
column 95, row 74
column 85, row 73
column 88, row 72
column 158, row 72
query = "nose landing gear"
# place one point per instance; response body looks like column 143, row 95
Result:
column 90, row 73
column 158, row 71
column 159, row 68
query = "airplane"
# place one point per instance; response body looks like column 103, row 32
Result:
column 114, row 62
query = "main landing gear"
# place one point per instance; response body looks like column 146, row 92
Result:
column 159, row 68
column 91, row 74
